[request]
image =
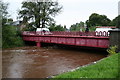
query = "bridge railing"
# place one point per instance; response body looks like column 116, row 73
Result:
column 68, row 33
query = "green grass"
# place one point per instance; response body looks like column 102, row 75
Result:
column 106, row 68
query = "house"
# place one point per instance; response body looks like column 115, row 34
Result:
column 104, row 28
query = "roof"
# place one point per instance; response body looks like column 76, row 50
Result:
column 105, row 26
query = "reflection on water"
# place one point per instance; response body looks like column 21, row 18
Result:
column 33, row 62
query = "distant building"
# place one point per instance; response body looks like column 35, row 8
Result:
column 16, row 23
column 104, row 28
column 19, row 25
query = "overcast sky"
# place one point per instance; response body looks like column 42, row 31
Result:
column 74, row 10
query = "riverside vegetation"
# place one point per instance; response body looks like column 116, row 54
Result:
column 11, row 37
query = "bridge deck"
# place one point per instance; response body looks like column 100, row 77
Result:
column 77, row 40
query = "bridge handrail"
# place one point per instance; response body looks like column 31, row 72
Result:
column 68, row 33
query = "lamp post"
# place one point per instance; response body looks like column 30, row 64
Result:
column 118, row 25
column 119, row 8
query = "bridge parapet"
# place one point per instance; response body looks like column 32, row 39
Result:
column 68, row 33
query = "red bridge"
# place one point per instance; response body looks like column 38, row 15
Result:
column 88, row 39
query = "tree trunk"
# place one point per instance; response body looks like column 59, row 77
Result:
column 37, row 21
column 43, row 23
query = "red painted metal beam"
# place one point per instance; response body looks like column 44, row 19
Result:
column 38, row 44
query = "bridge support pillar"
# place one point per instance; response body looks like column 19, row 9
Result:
column 38, row 44
column 115, row 38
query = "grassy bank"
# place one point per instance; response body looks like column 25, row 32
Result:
column 106, row 68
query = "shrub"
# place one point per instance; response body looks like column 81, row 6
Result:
column 10, row 37
column 112, row 50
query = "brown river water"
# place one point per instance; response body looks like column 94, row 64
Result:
column 33, row 62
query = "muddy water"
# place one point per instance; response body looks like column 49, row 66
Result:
column 33, row 62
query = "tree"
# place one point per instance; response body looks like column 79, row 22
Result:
column 73, row 27
column 3, row 9
column 77, row 26
column 3, row 12
column 98, row 20
column 10, row 37
column 116, row 22
column 41, row 13
column 54, row 27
